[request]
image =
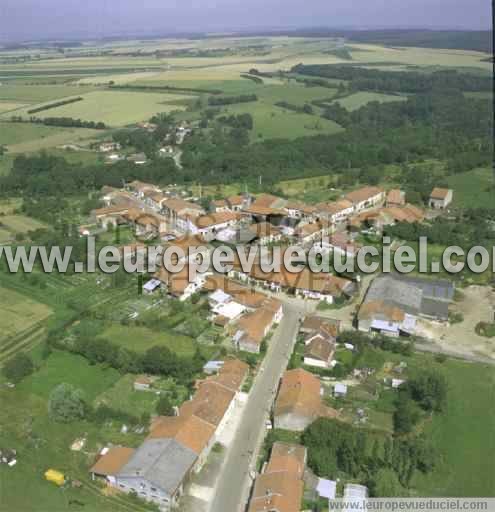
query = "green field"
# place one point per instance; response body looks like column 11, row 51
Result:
column 359, row 99
column 16, row 133
column 19, row 313
column 141, row 339
column 473, row 189
column 72, row 369
column 464, row 435
column 275, row 122
column 116, row 108
column 28, row 137
column 38, row 93
column 20, row 224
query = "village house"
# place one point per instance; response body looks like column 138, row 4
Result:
column 231, row 204
column 109, row 146
column 299, row 401
column 319, row 349
column 396, row 197
column 181, row 285
column 300, row 210
column 440, row 198
column 110, row 216
column 280, row 487
column 209, row 225
column 366, row 197
column 253, row 327
column 315, row 323
column 310, row 233
column 139, row 188
column 335, row 212
column 341, row 244
column 180, row 212
column 265, row 233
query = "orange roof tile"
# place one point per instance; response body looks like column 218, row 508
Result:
column 113, row 461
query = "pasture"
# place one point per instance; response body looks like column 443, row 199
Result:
column 117, row 108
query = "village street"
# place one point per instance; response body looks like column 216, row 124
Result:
column 234, row 483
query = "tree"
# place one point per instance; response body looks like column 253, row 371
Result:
column 20, row 366
column 385, row 484
column 164, row 407
column 406, row 415
column 429, row 389
column 66, row 404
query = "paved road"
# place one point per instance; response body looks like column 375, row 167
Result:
column 233, row 484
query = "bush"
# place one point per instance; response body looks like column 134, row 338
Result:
column 18, row 367
column 66, row 404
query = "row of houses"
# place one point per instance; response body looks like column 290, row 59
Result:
column 177, row 446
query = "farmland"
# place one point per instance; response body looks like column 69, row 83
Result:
column 115, row 108
column 19, row 313
column 209, row 64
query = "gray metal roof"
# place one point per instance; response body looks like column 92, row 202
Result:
column 413, row 295
column 396, row 293
column 162, row 462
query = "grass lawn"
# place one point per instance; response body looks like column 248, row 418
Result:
column 19, row 313
column 72, row 369
column 359, row 99
column 474, row 188
column 142, row 338
column 122, row 396
column 117, row 108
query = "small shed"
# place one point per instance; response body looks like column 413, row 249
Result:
column 152, row 285
column 339, row 389
column 326, row 488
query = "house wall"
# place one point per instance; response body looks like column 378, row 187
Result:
column 315, row 362
column 293, row 421
column 146, row 490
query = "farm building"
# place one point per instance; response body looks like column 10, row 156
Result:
column 394, row 302
column 440, row 198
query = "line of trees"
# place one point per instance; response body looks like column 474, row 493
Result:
column 231, row 100
column 60, row 103
column 365, row 79
column 66, row 122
